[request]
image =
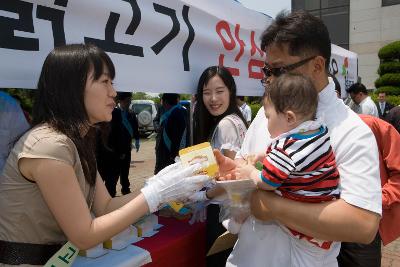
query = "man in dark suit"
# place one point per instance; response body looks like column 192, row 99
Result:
column 114, row 157
column 171, row 134
column 383, row 106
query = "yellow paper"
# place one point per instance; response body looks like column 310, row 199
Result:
column 201, row 153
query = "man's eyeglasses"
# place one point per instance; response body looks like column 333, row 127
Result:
column 268, row 71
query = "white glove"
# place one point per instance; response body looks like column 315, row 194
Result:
column 199, row 212
column 198, row 196
column 174, row 182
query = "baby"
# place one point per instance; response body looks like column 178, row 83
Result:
column 299, row 164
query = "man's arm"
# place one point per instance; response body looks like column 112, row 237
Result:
column 334, row 220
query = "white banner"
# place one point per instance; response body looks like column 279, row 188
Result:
column 344, row 65
column 156, row 46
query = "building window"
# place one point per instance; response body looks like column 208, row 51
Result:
column 390, row 2
column 335, row 15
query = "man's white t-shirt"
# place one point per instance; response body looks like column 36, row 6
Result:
column 246, row 111
column 368, row 107
column 354, row 145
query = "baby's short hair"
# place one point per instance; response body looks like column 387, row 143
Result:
column 294, row 92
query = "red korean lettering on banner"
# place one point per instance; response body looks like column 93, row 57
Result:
column 228, row 44
column 229, row 41
column 255, row 63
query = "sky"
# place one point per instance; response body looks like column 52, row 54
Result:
column 269, row 7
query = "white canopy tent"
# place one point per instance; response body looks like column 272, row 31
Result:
column 156, row 47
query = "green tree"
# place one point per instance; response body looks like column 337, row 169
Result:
column 26, row 97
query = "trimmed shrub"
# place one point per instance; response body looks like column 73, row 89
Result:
column 388, row 79
column 254, row 109
column 392, row 99
column 389, row 67
column 390, row 51
column 389, row 90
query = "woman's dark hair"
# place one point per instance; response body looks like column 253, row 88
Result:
column 60, row 97
column 204, row 122
column 305, row 34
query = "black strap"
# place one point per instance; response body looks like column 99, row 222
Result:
column 15, row 253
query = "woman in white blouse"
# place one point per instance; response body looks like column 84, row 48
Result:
column 218, row 120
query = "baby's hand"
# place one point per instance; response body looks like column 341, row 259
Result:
column 260, row 157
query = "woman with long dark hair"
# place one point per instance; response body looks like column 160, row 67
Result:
column 218, row 120
column 50, row 186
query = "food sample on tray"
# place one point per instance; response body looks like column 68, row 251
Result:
column 121, row 240
column 93, row 252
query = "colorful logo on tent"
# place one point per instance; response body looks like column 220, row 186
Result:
column 345, row 66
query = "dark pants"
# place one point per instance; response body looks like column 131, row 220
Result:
column 114, row 168
column 214, row 229
column 125, row 164
column 360, row 255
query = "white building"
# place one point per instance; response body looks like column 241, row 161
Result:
column 373, row 24
column 362, row 26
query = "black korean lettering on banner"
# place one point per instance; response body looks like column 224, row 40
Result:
column 174, row 31
column 24, row 23
column 189, row 41
column 160, row 45
column 57, row 20
column 109, row 43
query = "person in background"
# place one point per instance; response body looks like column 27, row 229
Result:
column 114, row 156
column 26, row 113
column 218, row 120
column 13, row 123
column 388, row 141
column 383, row 106
column 363, row 102
column 244, row 108
column 50, row 190
column 172, row 130
column 369, row 255
column 394, row 117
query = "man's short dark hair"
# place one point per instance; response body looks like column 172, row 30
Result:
column 124, row 95
column 357, row 88
column 305, row 34
column 171, row 99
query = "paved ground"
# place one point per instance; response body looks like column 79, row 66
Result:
column 142, row 167
column 142, row 164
